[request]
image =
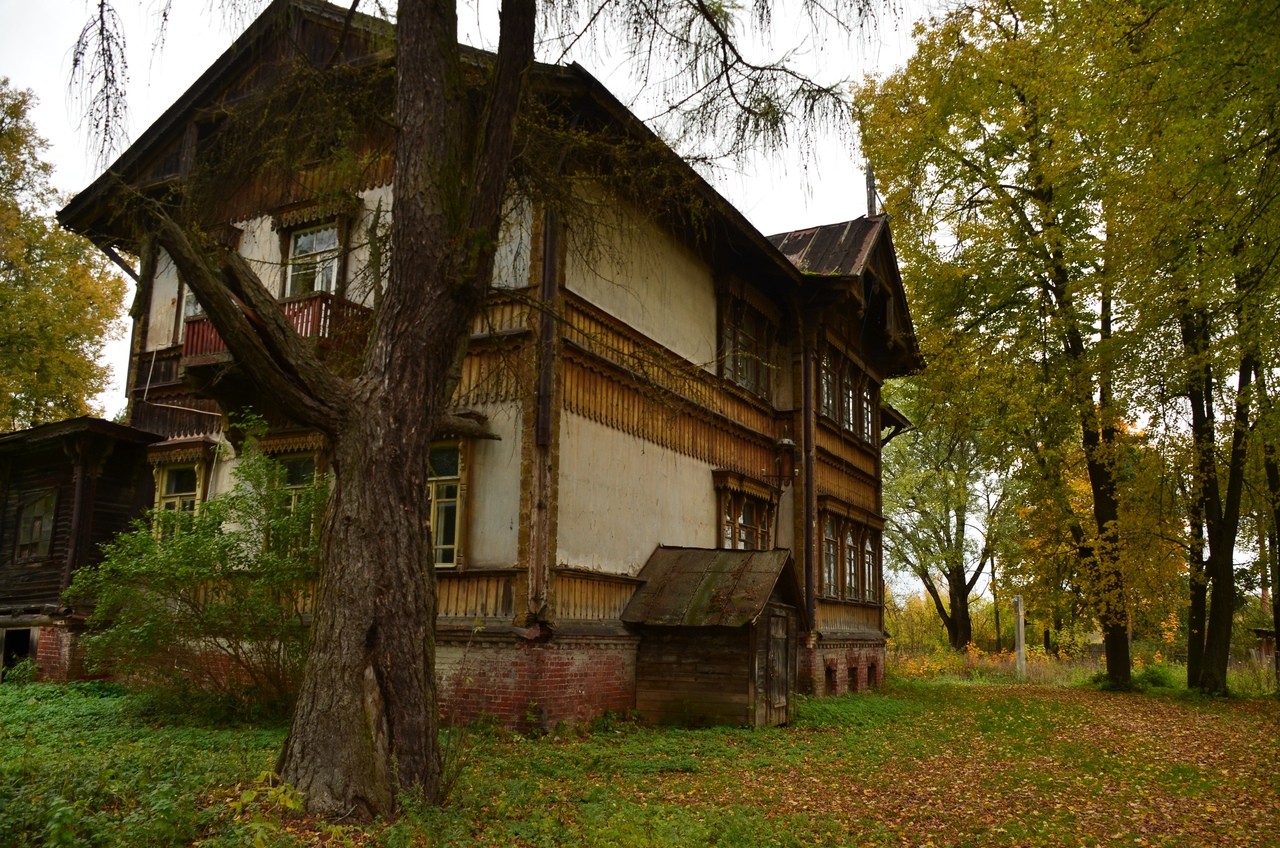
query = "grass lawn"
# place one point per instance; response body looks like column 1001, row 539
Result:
column 919, row 763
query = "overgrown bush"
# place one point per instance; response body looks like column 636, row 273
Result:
column 215, row 600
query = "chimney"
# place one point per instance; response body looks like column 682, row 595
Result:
column 871, row 191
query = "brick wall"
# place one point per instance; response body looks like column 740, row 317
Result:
column 59, row 653
column 839, row 667
column 534, row 685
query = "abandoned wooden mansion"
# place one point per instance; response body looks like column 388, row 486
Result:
column 662, row 489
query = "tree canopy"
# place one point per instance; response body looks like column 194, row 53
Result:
column 1085, row 190
column 58, row 298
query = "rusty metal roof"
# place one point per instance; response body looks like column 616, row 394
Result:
column 698, row 587
column 837, row 250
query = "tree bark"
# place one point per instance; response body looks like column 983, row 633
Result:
column 1199, row 594
column 1221, row 512
column 366, row 721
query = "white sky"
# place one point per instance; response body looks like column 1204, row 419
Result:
column 796, row 189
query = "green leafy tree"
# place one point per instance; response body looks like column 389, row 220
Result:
column 945, row 482
column 218, row 599
column 58, row 299
column 1091, row 185
column 1000, row 224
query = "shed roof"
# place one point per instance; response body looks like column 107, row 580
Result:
column 699, row 587
column 20, row 440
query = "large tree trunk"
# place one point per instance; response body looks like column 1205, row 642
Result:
column 365, row 725
column 1221, row 511
column 961, row 629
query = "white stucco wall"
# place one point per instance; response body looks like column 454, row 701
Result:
column 260, row 246
column 621, row 497
column 164, row 304
column 627, row 266
column 493, row 481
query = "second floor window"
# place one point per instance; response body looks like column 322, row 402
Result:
column 313, row 261
column 847, row 396
column 746, row 345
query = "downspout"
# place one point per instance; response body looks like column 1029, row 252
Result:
column 540, row 542
column 810, row 489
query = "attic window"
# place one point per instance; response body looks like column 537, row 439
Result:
column 313, row 261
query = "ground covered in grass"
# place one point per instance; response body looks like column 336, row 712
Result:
column 920, row 763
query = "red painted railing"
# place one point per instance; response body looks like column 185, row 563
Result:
column 334, row 323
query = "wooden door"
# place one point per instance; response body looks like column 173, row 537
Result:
column 779, row 678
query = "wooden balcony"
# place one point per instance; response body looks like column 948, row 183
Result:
column 338, row 327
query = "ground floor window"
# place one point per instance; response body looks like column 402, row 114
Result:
column 35, row 524
column 445, row 486
column 746, row 510
column 850, row 559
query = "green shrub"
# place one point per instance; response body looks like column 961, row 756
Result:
column 184, row 597
column 22, row 672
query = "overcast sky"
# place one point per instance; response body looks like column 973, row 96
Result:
column 790, row 191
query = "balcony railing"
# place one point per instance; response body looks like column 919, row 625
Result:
column 336, row 324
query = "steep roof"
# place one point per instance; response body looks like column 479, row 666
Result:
column 700, row 587
column 784, row 263
column 833, row 250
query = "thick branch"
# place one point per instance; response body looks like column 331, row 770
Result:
column 255, row 330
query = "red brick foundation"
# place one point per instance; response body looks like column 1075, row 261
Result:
column 839, row 667
column 534, row 685
column 59, row 653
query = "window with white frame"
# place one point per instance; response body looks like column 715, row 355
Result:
column 871, row 567
column 746, row 344
column 846, row 395
column 35, row 524
column 314, row 255
column 746, row 508
column 830, row 558
column 444, row 482
column 850, row 559
column 850, row 562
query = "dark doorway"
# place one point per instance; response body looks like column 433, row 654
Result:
column 17, row 646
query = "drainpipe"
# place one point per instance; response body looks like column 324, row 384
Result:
column 810, row 490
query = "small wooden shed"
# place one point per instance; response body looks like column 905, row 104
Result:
column 718, row 631
column 65, row 488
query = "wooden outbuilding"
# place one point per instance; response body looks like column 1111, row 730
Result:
column 65, row 488
column 718, row 636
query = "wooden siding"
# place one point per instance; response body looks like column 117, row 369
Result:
column 616, row 378
column 475, row 594
column 578, row 596
column 849, row 617
column 695, row 675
